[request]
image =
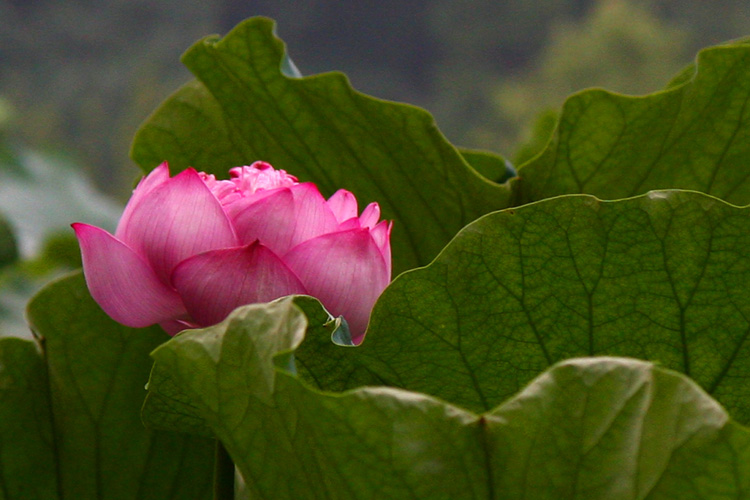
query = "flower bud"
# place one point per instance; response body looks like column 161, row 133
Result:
column 190, row 248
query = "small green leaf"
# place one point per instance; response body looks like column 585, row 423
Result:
column 243, row 108
column 8, row 249
column 695, row 135
column 596, row 428
column 97, row 372
column 61, row 250
column 27, row 455
column 492, row 166
column 661, row 277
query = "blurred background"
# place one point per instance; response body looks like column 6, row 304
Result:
column 78, row 77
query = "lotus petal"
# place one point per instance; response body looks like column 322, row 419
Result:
column 286, row 218
column 122, row 282
column 346, row 271
column 213, row 284
column 343, row 204
column 177, row 219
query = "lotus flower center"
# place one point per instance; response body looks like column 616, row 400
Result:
column 246, row 181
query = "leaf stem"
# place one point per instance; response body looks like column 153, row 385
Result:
column 223, row 474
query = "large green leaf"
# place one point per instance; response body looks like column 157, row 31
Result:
column 243, row 108
column 288, row 441
column 601, row 428
column 614, row 428
column 27, row 459
column 695, row 135
column 97, row 372
column 662, row 277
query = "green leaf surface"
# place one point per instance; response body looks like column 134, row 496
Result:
column 554, row 440
column 27, row 455
column 97, row 372
column 243, row 108
column 661, row 277
column 695, row 135
column 537, row 136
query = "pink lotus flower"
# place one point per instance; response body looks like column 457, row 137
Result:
column 189, row 249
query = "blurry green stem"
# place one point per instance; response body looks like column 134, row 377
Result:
column 223, row 474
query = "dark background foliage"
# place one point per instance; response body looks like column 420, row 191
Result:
column 80, row 76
